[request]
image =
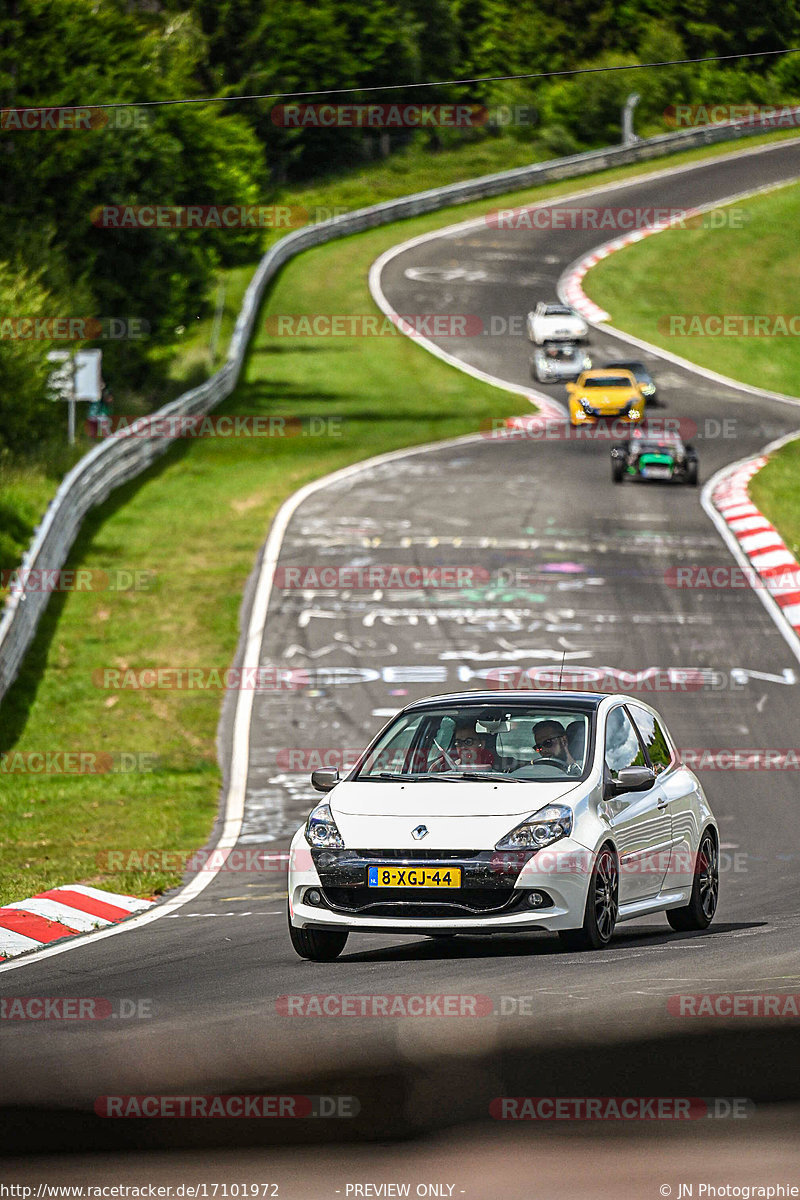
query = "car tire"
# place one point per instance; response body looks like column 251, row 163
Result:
column 699, row 912
column 319, row 945
column 602, row 902
column 691, row 473
column 617, row 470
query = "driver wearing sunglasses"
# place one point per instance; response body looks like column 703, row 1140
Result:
column 550, row 741
column 467, row 749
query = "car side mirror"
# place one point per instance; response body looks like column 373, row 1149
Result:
column 631, row 779
column 324, row 779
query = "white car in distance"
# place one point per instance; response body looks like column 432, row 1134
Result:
column 556, row 323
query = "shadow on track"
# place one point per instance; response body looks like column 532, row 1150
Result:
column 538, row 944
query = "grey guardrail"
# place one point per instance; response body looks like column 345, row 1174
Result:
column 120, row 459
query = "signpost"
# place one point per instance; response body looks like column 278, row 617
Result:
column 77, row 376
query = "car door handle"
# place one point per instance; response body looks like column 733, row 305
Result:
column 662, row 804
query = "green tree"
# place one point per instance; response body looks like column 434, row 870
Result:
column 26, row 413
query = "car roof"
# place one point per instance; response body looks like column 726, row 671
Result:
column 555, row 699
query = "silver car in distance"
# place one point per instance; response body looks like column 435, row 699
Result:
column 559, row 362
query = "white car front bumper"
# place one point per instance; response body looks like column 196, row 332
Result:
column 561, row 873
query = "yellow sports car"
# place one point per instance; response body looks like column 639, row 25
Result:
column 604, row 394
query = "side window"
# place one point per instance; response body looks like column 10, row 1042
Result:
column 622, row 748
column 653, row 737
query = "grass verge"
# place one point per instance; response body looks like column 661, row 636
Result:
column 194, row 523
column 693, row 269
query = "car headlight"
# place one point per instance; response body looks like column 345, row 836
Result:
column 633, row 413
column 584, row 403
column 321, row 829
column 541, row 829
column 587, row 363
column 648, row 388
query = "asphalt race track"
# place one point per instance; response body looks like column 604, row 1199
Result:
column 583, row 575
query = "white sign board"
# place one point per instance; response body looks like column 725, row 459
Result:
column 88, row 374
column 77, row 377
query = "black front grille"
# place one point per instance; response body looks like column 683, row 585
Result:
column 423, row 902
column 405, row 855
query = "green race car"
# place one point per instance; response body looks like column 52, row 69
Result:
column 664, row 458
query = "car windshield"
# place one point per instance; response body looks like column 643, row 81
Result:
column 533, row 743
column 562, row 353
column 607, row 381
column 557, row 310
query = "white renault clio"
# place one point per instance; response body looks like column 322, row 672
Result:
column 489, row 812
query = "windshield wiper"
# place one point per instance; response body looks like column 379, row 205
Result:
column 479, row 775
column 390, row 775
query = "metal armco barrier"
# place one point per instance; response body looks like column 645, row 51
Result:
column 118, row 460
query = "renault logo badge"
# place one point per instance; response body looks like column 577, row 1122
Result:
column 420, row 832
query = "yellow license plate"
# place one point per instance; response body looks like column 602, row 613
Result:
column 411, row 877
